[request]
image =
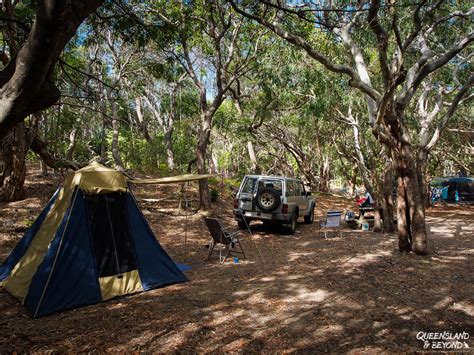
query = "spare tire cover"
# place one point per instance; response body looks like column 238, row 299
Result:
column 268, row 199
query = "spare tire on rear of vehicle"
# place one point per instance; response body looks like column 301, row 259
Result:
column 268, row 199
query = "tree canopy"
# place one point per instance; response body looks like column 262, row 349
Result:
column 358, row 93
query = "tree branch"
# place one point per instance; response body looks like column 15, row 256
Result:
column 442, row 123
column 40, row 147
column 298, row 41
column 382, row 40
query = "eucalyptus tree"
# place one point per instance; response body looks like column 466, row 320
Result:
column 436, row 105
column 357, row 145
column 26, row 71
column 215, row 47
column 161, row 97
column 282, row 106
column 368, row 31
column 33, row 35
column 26, row 84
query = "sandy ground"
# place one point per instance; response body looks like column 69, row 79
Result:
column 297, row 292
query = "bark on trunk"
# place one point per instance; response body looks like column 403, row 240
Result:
column 201, row 149
column 72, row 143
column 383, row 200
column 213, row 163
column 115, row 138
column 422, row 172
column 40, row 147
column 25, row 85
column 103, row 141
column 169, row 147
column 44, row 168
column 378, row 217
column 190, row 165
column 403, row 218
column 13, row 149
column 410, row 207
column 387, row 197
column 324, row 175
column 253, row 159
column 354, row 180
column 141, row 120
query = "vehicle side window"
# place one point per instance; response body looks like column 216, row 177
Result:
column 297, row 189
column 249, row 185
column 290, row 189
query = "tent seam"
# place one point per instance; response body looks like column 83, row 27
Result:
column 57, row 254
column 132, row 239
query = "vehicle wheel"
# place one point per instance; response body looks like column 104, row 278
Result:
column 242, row 224
column 268, row 199
column 309, row 219
column 291, row 226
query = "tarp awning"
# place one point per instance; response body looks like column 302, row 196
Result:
column 172, row 179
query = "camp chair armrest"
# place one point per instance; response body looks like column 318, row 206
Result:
column 232, row 235
column 228, row 230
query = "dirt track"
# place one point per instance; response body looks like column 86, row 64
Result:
column 298, row 292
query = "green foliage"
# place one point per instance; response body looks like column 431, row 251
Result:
column 287, row 100
column 214, row 194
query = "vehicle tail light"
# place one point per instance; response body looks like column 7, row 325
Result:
column 236, row 203
column 284, row 208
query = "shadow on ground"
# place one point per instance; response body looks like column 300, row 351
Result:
column 298, row 292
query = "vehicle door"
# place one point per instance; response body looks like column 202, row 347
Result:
column 291, row 199
column 246, row 193
column 301, row 197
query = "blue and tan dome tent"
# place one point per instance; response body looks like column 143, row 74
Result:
column 91, row 243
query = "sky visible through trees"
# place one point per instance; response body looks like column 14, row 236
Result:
column 362, row 93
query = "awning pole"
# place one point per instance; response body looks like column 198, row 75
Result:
column 185, row 195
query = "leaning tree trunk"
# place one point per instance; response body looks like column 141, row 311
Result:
column 253, row 159
column 115, row 135
column 72, row 144
column 73, row 136
column 141, row 120
column 43, row 167
column 354, row 180
column 114, row 145
column 324, row 175
column 378, row 213
column 201, row 149
column 13, row 149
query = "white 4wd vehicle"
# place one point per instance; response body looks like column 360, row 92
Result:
column 273, row 199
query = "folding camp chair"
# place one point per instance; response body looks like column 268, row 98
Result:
column 224, row 238
column 333, row 221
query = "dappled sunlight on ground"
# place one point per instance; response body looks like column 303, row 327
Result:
column 291, row 293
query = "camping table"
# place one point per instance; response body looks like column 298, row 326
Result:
column 363, row 210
